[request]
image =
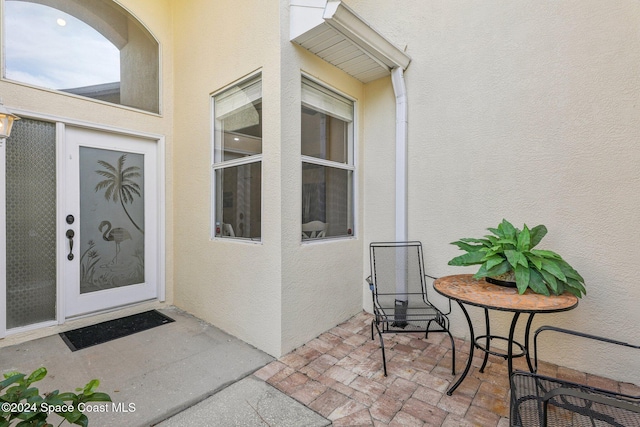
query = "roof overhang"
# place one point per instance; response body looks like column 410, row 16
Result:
column 335, row 33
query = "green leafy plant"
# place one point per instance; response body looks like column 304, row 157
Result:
column 23, row 403
column 512, row 250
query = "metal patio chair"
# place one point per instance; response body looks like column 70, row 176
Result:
column 399, row 291
column 538, row 400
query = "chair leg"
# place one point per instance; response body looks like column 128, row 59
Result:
column 426, row 333
column 453, row 345
column 384, row 359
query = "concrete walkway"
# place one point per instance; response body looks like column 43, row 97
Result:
column 158, row 373
column 247, row 403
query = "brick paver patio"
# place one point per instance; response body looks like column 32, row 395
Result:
column 339, row 375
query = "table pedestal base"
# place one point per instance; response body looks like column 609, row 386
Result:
column 486, row 348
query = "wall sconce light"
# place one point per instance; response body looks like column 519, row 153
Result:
column 6, row 123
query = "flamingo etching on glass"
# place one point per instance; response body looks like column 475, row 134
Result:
column 117, row 235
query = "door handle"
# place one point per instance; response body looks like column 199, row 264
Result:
column 70, row 235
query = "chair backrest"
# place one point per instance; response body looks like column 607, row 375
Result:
column 314, row 230
column 397, row 268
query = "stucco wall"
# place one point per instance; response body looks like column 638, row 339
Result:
column 526, row 111
column 155, row 14
column 321, row 281
column 276, row 294
column 235, row 285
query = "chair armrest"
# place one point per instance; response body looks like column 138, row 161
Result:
column 448, row 312
column 531, row 394
column 574, row 333
column 608, row 399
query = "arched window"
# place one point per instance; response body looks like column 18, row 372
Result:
column 90, row 48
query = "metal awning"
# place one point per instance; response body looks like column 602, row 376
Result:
column 332, row 31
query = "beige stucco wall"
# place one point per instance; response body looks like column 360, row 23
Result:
column 235, row 285
column 321, row 281
column 527, row 111
column 276, row 294
column 155, row 14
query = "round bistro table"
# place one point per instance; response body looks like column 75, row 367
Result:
column 466, row 290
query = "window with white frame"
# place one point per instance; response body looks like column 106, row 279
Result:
column 327, row 162
column 237, row 160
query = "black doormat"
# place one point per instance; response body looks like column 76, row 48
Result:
column 88, row 336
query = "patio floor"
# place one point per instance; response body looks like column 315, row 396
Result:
column 339, row 375
column 189, row 373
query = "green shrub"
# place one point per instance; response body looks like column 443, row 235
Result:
column 23, row 403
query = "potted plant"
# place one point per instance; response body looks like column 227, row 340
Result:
column 509, row 255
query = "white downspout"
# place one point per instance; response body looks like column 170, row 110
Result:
column 400, row 91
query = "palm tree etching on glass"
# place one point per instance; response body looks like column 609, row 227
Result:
column 119, row 184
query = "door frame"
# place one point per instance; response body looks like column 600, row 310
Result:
column 61, row 123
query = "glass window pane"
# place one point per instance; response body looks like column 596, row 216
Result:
column 324, row 136
column 31, row 223
column 94, row 49
column 238, row 201
column 111, row 236
column 327, row 197
column 238, row 121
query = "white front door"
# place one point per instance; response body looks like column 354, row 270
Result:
column 110, row 220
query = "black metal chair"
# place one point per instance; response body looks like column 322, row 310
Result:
column 538, row 400
column 399, row 291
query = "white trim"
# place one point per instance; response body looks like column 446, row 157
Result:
column 60, row 220
column 327, row 163
column 237, row 162
column 32, row 327
column 162, row 219
column 212, row 162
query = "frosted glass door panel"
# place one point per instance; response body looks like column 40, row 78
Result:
column 31, row 223
column 112, row 183
column 111, row 219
